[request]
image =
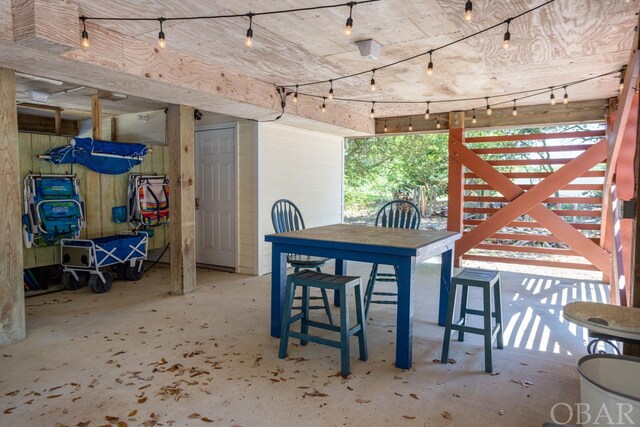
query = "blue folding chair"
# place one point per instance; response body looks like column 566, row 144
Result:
column 286, row 216
column 394, row 214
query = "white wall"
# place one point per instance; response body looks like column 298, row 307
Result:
column 304, row 167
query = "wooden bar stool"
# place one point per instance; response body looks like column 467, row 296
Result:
column 342, row 284
column 486, row 280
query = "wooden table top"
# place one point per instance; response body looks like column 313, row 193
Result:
column 605, row 318
column 369, row 235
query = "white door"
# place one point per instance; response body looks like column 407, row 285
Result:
column 216, row 197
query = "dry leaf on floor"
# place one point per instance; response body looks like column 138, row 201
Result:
column 362, row 401
column 112, row 419
column 133, row 413
column 94, row 383
column 493, row 374
column 415, row 396
column 194, row 415
column 446, row 415
column 13, row 393
column 122, row 424
column 9, row 410
column 206, row 420
column 118, row 353
column 397, row 394
column 349, row 388
column 83, row 424
column 76, row 398
column 314, row 393
column 142, row 400
column 408, row 417
column 53, row 396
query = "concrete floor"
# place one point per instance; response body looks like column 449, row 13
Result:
column 139, row 356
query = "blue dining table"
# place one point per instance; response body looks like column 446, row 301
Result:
column 403, row 248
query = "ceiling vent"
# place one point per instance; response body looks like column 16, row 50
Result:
column 369, row 49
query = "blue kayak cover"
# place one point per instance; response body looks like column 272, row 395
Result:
column 106, row 157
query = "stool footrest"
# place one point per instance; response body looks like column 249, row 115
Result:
column 314, row 338
column 388, row 294
column 478, row 312
column 468, row 329
column 321, row 325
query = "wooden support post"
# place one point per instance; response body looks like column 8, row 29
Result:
column 12, row 318
column 57, row 121
column 96, row 117
column 182, row 227
column 456, row 177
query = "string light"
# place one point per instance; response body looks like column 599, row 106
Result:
column 410, row 125
column 426, row 114
column 507, row 36
column 162, row 43
column 373, row 80
column 515, row 109
column 473, row 120
column 85, row 34
column 372, row 113
column 437, row 122
column 295, row 96
column 552, row 97
column 468, row 11
column 622, row 71
column 249, row 41
column 489, row 112
column 324, row 105
column 385, row 126
column 430, row 66
column 330, row 96
column 349, row 25
column 565, row 100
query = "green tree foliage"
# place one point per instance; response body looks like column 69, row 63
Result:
column 377, row 167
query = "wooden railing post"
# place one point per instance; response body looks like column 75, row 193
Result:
column 456, row 178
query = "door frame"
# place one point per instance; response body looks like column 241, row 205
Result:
column 234, row 126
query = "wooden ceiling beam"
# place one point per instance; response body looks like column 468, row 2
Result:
column 529, row 115
column 119, row 63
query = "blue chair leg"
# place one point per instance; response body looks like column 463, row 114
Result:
column 286, row 319
column 488, row 362
column 362, row 335
column 447, row 328
column 464, row 301
column 368, row 293
column 304, row 326
column 497, row 295
column 344, row 333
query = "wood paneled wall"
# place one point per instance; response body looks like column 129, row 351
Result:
column 101, row 192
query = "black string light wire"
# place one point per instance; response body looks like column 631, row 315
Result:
column 527, row 93
column 428, row 52
column 250, row 15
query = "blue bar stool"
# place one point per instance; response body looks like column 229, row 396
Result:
column 486, row 280
column 342, row 284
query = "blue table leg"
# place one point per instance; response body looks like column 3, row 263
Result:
column 278, row 283
column 341, row 270
column 404, row 333
column 446, row 272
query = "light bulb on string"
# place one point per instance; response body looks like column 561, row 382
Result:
column 385, row 126
column 515, row 109
column 410, row 125
column 372, row 113
column 468, row 11
column 506, row 41
column 323, row 108
column 85, row 34
column 373, row 80
column 437, row 122
column 621, row 79
column 349, row 25
column 162, row 42
column 552, row 97
column 330, row 96
column 430, row 65
column 489, row 111
column 565, row 100
column 295, row 96
column 427, row 113
column 473, row 119
column 249, row 41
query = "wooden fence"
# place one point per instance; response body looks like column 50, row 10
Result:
column 101, row 192
column 511, row 198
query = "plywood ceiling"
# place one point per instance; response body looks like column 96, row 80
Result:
column 564, row 41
